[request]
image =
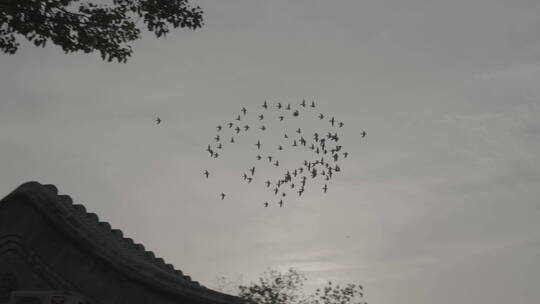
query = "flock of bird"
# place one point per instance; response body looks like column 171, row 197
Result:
column 325, row 147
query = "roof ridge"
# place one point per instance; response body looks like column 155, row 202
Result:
column 129, row 243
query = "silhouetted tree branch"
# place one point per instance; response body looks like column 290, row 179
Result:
column 85, row 26
column 274, row 287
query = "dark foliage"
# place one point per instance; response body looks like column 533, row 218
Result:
column 274, row 287
column 86, row 26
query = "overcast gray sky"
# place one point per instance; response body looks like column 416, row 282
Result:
column 440, row 200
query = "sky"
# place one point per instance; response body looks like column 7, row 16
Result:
column 437, row 204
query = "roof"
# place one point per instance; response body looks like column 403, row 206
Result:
column 122, row 253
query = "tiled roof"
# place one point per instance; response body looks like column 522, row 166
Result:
column 110, row 244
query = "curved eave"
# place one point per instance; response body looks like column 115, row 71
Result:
column 75, row 223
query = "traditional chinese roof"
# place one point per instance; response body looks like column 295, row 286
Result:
column 126, row 257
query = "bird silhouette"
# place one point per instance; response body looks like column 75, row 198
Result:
column 280, row 203
column 303, row 104
column 265, row 204
column 295, row 113
column 288, row 107
column 269, row 158
column 206, row 173
column 217, row 138
column 340, row 124
column 313, row 104
column 321, row 116
column 276, row 191
column 267, row 183
column 279, row 105
column 263, row 128
column 325, row 188
column 345, row 154
column 258, row 144
column 158, row 120
column 219, row 128
column 280, row 148
column 281, row 118
column 258, row 157
column 298, row 131
column 222, row 196
column 246, row 127
column 244, row 110
column 232, row 140
column 230, row 125
column 265, row 105
column 294, row 143
column 276, row 163
column 244, row 176
column 332, row 121
column 363, row 134
column 252, row 170
column 220, row 146
column 286, row 136
column 238, row 118
column 261, row 117
column 237, row 129
column 249, row 179
column 216, row 155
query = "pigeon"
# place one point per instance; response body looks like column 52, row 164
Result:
column 276, row 191
column 267, row 183
column 259, row 157
column 244, row 176
column 216, row 138
column 265, row 105
column 313, row 104
column 325, row 188
column 321, row 116
column 279, row 105
column 246, row 127
column 298, row 131
column 269, row 158
column 238, row 118
column 158, row 120
column 237, row 129
column 295, row 113
column 303, row 104
column 218, row 128
column 280, row 203
column 249, row 179
column 244, row 111
column 232, row 139
column 280, row 148
column 363, row 134
column 345, row 154
column 276, row 163
column 220, row 146
column 222, row 196
column 340, row 124
column 252, row 170
column 261, row 117
column 281, row 118
column 332, row 121
column 265, row 204
column 258, row 144
column 206, row 173
column 230, row 125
